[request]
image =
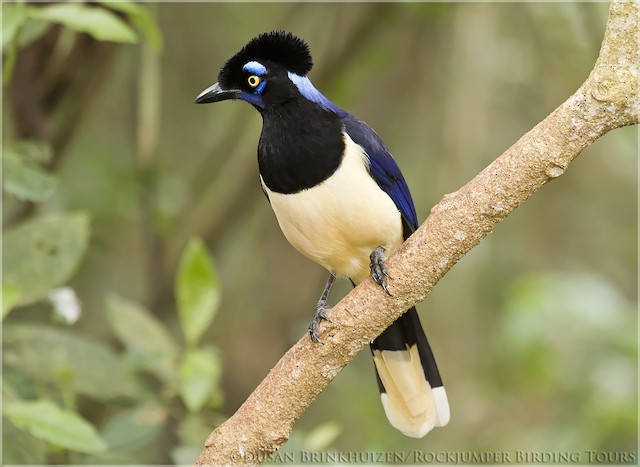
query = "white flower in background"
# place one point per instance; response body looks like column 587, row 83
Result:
column 66, row 304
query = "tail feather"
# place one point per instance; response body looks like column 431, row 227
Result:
column 410, row 385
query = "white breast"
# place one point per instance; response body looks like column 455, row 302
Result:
column 339, row 222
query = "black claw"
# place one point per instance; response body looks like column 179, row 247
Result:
column 379, row 270
column 320, row 315
column 384, row 287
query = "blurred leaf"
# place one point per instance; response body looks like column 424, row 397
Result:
column 144, row 336
column 191, row 431
column 45, row 420
column 53, row 355
column 43, row 253
column 185, row 455
column 102, row 24
column 20, row 446
column 13, row 16
column 33, row 151
column 31, row 30
column 193, row 428
column 142, row 18
column 199, row 373
column 10, row 297
column 321, row 437
column 134, row 428
column 25, row 181
column 197, row 291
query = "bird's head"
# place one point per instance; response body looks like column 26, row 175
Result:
column 268, row 70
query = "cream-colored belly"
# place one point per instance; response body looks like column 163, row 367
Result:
column 341, row 221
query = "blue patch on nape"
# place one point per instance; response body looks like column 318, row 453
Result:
column 256, row 68
column 308, row 91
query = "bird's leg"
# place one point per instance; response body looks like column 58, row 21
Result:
column 378, row 269
column 321, row 310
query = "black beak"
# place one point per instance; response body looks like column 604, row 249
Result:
column 215, row 94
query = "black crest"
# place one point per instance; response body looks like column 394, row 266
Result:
column 277, row 46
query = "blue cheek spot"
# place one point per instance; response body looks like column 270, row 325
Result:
column 260, row 87
column 253, row 99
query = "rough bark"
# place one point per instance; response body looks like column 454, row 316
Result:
column 607, row 100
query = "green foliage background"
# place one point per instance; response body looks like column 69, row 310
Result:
column 117, row 186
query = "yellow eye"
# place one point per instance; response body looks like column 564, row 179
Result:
column 253, row 81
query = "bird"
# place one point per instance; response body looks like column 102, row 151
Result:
column 341, row 200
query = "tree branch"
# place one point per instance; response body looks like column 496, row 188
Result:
column 607, row 100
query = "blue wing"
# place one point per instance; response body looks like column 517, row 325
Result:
column 384, row 170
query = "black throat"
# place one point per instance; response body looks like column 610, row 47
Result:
column 301, row 145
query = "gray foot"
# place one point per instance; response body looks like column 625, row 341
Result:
column 378, row 269
column 322, row 308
